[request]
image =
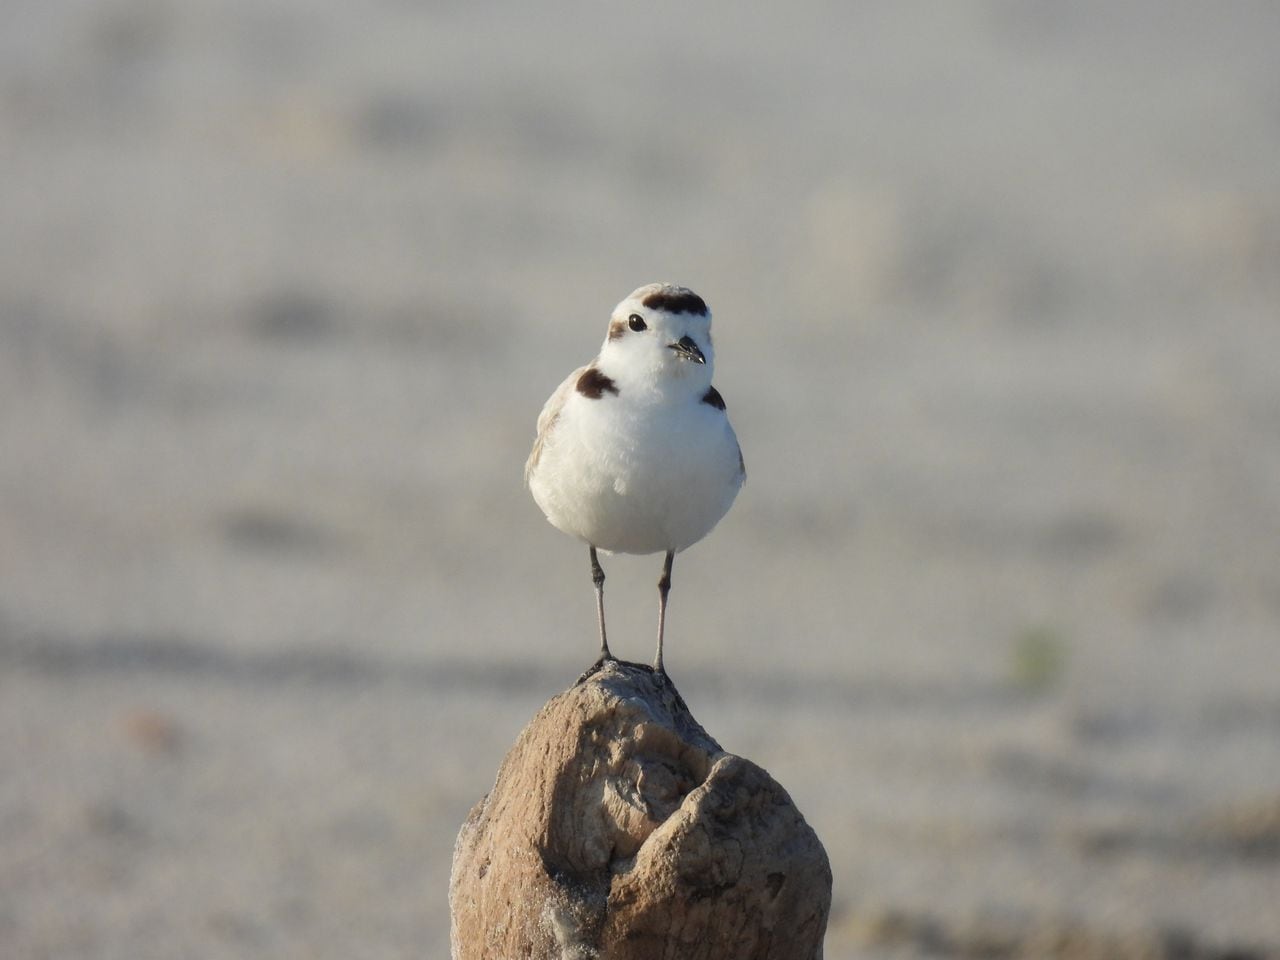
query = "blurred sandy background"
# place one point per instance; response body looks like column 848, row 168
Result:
column 284, row 284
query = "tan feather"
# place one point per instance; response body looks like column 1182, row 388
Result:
column 547, row 419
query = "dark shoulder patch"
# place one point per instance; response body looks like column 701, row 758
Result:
column 593, row 384
column 713, row 398
column 676, row 300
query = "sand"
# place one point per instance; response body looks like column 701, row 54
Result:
column 284, row 285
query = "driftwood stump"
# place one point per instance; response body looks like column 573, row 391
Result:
column 618, row 829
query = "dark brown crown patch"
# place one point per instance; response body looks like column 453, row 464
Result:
column 676, row 300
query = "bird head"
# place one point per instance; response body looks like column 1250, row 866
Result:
column 660, row 336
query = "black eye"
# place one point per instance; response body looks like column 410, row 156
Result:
column 636, row 323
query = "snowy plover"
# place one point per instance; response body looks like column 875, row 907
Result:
column 635, row 453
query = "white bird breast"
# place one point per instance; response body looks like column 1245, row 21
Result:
column 638, row 479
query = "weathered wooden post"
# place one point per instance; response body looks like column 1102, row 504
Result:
column 618, row 829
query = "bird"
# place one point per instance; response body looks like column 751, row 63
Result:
column 634, row 451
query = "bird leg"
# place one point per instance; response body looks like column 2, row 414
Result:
column 597, row 577
column 664, row 586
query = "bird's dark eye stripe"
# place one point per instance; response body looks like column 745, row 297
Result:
column 636, row 322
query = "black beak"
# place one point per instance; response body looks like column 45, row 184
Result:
column 686, row 349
